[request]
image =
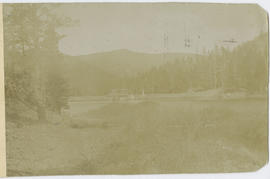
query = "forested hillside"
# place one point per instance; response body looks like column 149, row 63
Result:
column 98, row 74
column 241, row 69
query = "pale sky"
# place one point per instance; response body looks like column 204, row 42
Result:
column 142, row 26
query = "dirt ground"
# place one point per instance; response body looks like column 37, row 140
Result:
column 179, row 136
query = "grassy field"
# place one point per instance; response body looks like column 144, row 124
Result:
column 153, row 136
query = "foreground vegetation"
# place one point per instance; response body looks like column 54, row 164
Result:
column 184, row 136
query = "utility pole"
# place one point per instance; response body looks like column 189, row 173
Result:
column 165, row 45
column 186, row 39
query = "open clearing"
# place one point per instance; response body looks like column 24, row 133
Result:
column 153, row 136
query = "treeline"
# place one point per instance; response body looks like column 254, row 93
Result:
column 243, row 68
column 34, row 73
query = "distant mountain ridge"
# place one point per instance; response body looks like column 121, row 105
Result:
column 95, row 73
column 125, row 62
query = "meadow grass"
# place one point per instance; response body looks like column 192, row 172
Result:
column 183, row 136
column 153, row 136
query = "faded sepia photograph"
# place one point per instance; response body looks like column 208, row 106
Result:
column 135, row 88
